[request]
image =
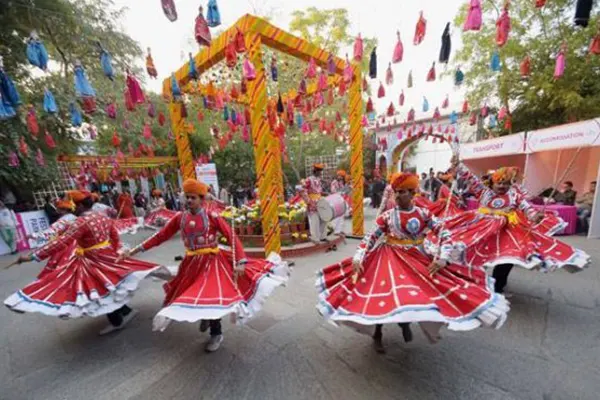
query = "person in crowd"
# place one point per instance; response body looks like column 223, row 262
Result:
column 50, row 210
column 140, row 204
column 224, row 195
column 8, row 227
column 125, row 204
column 379, row 185
column 338, row 185
column 584, row 207
column 212, row 190
column 432, row 186
column 312, row 193
column 106, row 199
column 564, row 195
column 422, row 181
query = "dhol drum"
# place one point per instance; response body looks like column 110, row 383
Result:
column 331, row 207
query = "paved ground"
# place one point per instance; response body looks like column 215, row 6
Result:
column 549, row 349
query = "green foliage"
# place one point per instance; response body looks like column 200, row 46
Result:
column 539, row 101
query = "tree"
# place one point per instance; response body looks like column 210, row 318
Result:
column 538, row 101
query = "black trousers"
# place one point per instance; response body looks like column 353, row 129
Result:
column 215, row 327
column 500, row 274
column 116, row 317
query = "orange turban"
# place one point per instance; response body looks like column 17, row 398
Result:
column 78, row 195
column 195, row 187
column 156, row 192
column 503, row 174
column 341, row 173
column 319, row 167
column 95, row 196
column 401, row 180
column 65, row 205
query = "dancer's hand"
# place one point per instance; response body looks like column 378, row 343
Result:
column 24, row 259
column 123, row 254
column 357, row 266
column 436, row 265
column 538, row 217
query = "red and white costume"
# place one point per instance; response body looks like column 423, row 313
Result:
column 91, row 283
column 395, row 285
column 54, row 231
column 438, row 207
column 123, row 225
column 501, row 232
column 159, row 214
column 313, row 191
column 340, row 187
column 551, row 223
column 204, row 287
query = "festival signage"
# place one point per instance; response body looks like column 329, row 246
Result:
column 578, row 134
column 27, row 223
column 207, row 173
column 502, row 146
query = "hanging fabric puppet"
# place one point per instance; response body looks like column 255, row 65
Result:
column 169, row 9
column 192, row 70
column 525, row 67
column 134, row 88
column 311, row 71
column 111, row 110
column 420, row 29
column 559, row 68
column 10, row 95
column 39, row 158
column 425, row 104
column 436, row 114
column 369, row 108
column 49, row 140
column 381, row 91
column 431, row 73
column 595, row 43
column 473, row 21
column 23, row 147
column 583, row 8
column 446, row 45
column 409, row 84
column 36, row 52
column 401, row 100
column 446, row 102
column 151, row 110
column 230, row 54
column 465, row 107
column 32, row 123
column 106, row 63
column 389, row 75
column 248, row 70
column 358, row 48
column 213, row 17
column 201, row 32
column 83, row 88
column 76, row 118
column 240, row 42
column 13, row 158
column 331, row 65
column 459, row 77
column 453, row 117
column 495, row 61
column 274, row 70
column 398, row 50
column 373, row 64
column 49, row 102
column 150, row 68
column 503, row 26
column 6, row 109
column 540, row 3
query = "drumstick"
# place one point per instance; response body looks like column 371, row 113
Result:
column 12, row 264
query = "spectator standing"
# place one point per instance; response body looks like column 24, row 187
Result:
column 584, row 207
column 8, row 227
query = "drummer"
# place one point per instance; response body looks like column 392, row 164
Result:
column 313, row 191
column 338, row 185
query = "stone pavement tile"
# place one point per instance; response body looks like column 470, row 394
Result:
column 573, row 336
column 574, row 384
column 292, row 329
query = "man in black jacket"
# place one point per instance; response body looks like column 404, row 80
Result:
column 50, row 210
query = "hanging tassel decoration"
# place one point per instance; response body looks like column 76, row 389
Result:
column 389, row 75
column 32, row 123
column 106, row 63
column 169, row 10
column 39, row 158
column 111, row 110
column 369, row 109
column 473, row 21
column 411, row 115
column 391, row 110
column 431, row 73
column 401, row 100
column 36, row 52
column 147, row 132
column 213, row 16
column 409, row 84
column 192, row 70
column 503, row 26
column 201, row 32
column 49, row 103
column 13, row 160
column 358, row 48
column 373, row 64
column 420, row 29
column 465, row 107
column 446, row 102
column 175, row 90
column 381, row 91
column 495, row 61
column 559, row 68
column 248, row 70
column 398, row 50
column 76, row 118
column 446, row 45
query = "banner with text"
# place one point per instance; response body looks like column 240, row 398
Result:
column 207, row 173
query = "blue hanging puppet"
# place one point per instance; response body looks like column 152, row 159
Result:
column 175, row 90
column 10, row 95
column 83, row 89
column 49, row 103
column 6, row 110
column 193, row 71
column 76, row 118
column 425, row 104
column 459, row 77
column 495, row 62
column 106, row 62
column 36, row 52
column 213, row 17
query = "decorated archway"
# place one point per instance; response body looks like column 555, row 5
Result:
column 256, row 33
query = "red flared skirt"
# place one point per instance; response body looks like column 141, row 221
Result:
column 91, row 284
column 488, row 240
column 204, row 288
column 58, row 259
column 395, row 286
column 438, row 208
